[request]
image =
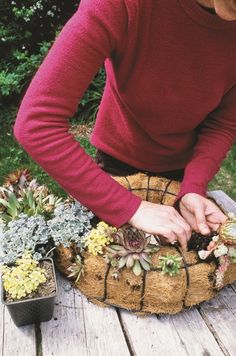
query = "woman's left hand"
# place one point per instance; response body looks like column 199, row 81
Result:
column 201, row 213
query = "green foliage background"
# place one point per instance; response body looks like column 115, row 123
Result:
column 27, row 31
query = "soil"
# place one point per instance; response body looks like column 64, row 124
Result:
column 47, row 288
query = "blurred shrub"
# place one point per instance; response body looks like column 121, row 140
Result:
column 27, row 31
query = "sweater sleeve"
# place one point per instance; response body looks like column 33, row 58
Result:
column 216, row 136
column 42, row 124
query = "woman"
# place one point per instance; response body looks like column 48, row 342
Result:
column 169, row 106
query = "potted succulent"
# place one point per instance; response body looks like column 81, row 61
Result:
column 28, row 278
column 29, row 289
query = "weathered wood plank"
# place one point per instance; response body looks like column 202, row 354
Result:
column 103, row 330
column 16, row 341
column 81, row 328
column 182, row 334
column 233, row 285
column 1, row 329
column 220, row 312
column 65, row 334
column 223, row 200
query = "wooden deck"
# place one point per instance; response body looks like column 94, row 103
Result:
column 80, row 328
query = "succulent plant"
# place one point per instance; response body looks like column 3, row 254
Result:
column 220, row 250
column 232, row 253
column 170, row 264
column 33, row 200
column 222, row 243
column 25, row 233
column 98, row 238
column 132, row 249
column 9, row 205
column 17, row 180
column 224, row 262
column 227, row 231
column 23, row 278
column 69, row 224
column 76, row 269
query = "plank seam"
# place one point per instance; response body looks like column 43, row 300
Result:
column 213, row 332
column 125, row 333
column 85, row 331
column 181, row 340
column 3, row 329
column 38, row 340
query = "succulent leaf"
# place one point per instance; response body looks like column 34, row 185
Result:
column 137, row 268
column 130, row 261
column 122, row 262
column 144, row 264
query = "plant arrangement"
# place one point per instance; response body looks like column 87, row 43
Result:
column 35, row 223
column 223, row 247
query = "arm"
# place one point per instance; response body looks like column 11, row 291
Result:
column 89, row 37
column 216, row 137
column 42, row 124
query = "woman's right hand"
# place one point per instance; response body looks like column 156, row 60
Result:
column 162, row 220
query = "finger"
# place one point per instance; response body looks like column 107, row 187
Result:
column 167, row 232
column 201, row 220
column 181, row 221
column 216, row 218
column 181, row 234
column 173, row 238
column 190, row 219
column 214, row 227
column 211, row 246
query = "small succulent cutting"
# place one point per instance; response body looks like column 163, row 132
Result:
column 170, row 264
column 223, row 248
column 132, row 249
column 76, row 269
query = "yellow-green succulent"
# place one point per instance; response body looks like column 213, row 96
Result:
column 23, row 278
column 98, row 238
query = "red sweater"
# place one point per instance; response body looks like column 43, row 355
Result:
column 169, row 100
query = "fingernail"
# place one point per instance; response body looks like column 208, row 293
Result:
column 204, row 229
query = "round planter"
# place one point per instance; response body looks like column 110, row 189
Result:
column 152, row 291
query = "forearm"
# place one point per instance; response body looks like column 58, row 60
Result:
column 214, row 141
column 42, row 124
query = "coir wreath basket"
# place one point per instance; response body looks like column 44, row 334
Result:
column 135, row 272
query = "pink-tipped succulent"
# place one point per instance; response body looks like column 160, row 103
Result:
column 131, row 249
column 18, row 179
column 226, row 237
column 223, row 246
